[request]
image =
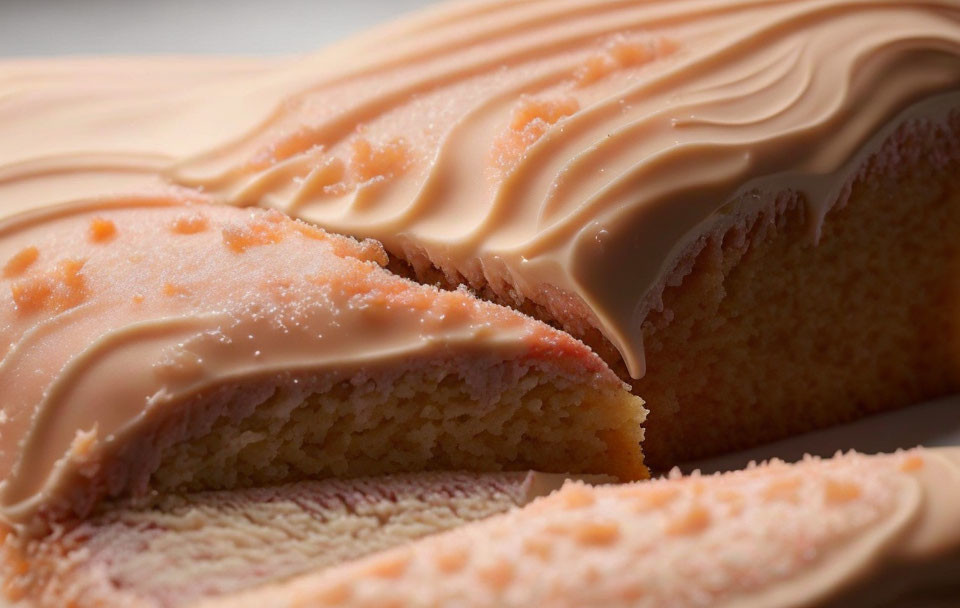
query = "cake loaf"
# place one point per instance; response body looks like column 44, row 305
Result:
column 150, row 345
column 178, row 549
column 748, row 208
column 878, row 531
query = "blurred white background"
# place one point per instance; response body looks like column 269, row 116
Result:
column 56, row 27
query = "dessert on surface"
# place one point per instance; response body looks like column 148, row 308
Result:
column 746, row 209
column 162, row 346
column 849, row 531
column 180, row 548
column 659, row 179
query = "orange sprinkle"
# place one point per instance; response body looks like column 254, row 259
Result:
column 384, row 161
column 102, row 230
column 531, row 110
column 189, row 223
column 31, row 295
column 620, row 53
column 911, row 463
column 837, row 492
column 783, row 489
column 538, row 547
column 576, row 497
column 595, row 68
column 240, row 238
column 651, row 497
column 172, row 289
column 531, row 119
column 597, row 534
column 628, row 52
column 275, row 217
column 390, row 567
column 665, row 46
column 311, row 232
column 695, row 520
column 451, row 560
column 138, row 299
column 22, row 260
column 56, row 290
column 498, row 575
column 336, row 594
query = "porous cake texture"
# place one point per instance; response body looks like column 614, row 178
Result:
column 181, row 548
column 160, row 347
column 849, row 531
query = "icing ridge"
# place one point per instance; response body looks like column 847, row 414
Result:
column 607, row 134
column 120, row 310
column 545, row 142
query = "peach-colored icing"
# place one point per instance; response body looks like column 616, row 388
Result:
column 581, row 144
column 724, row 541
column 99, row 337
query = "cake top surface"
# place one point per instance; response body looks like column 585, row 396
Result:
column 114, row 311
column 533, row 142
column 771, row 535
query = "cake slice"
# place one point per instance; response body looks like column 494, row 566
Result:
column 849, row 531
column 148, row 346
column 748, row 209
column 181, row 548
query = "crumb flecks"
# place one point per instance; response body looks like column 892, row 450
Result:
column 20, row 262
column 102, row 230
column 531, row 119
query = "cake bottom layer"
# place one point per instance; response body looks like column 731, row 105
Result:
column 183, row 548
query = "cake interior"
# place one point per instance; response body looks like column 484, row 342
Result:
column 464, row 413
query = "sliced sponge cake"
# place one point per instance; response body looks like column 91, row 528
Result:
column 156, row 346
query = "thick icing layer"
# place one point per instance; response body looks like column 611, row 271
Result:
column 585, row 145
column 849, row 531
column 115, row 312
column 581, row 145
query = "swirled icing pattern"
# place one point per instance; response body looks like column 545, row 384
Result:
column 561, row 143
column 120, row 311
column 514, row 144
